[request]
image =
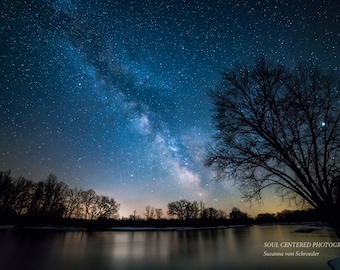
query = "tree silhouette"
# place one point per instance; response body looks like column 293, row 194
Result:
column 266, row 217
column 54, row 197
column 106, row 208
column 48, row 198
column 23, row 194
column 178, row 209
column 73, row 203
column 280, row 127
column 159, row 213
column 192, row 210
column 51, row 200
column 237, row 214
column 183, row 209
column 89, row 201
column 149, row 212
column 6, row 191
column 134, row 216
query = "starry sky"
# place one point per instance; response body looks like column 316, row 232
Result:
column 113, row 95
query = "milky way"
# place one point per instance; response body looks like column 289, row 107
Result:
column 114, row 95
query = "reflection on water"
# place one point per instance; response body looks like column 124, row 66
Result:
column 233, row 248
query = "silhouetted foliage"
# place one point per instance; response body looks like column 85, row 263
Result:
column 52, row 202
column 107, row 208
column 287, row 216
column 210, row 213
column 237, row 214
column 73, row 203
column 280, row 127
column 89, row 202
column 185, row 210
column 51, row 199
column 23, row 192
column 6, row 189
column 159, row 213
column 149, row 212
column 134, row 216
column 46, row 197
column 266, row 217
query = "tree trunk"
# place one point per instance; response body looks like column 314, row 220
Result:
column 333, row 217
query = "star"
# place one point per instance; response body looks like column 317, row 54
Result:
column 114, row 96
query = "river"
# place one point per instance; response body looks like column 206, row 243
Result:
column 231, row 248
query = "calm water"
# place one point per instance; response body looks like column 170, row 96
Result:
column 233, row 248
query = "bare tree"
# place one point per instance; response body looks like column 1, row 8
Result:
column 178, row 209
column 237, row 214
column 54, row 196
column 183, row 209
column 159, row 213
column 107, row 208
column 48, row 198
column 212, row 213
column 279, row 127
column 134, row 216
column 202, row 210
column 89, row 200
column 37, row 199
column 52, row 199
column 23, row 194
column 149, row 212
column 73, row 203
column 6, row 190
column 222, row 214
column 192, row 210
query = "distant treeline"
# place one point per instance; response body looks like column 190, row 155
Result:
column 291, row 216
column 51, row 199
column 25, row 202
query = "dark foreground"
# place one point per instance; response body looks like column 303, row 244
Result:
column 241, row 247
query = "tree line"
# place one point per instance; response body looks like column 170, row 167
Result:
column 184, row 210
column 52, row 199
column 310, row 215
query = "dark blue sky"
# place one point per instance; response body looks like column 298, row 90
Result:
column 114, row 95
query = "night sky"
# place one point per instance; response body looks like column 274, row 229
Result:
column 114, row 95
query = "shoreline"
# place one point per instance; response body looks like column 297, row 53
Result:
column 127, row 228
column 50, row 227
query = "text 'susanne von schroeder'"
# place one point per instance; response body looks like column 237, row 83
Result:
column 299, row 245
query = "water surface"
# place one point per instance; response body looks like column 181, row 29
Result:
column 232, row 248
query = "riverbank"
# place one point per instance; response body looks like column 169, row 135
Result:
column 304, row 227
column 69, row 228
